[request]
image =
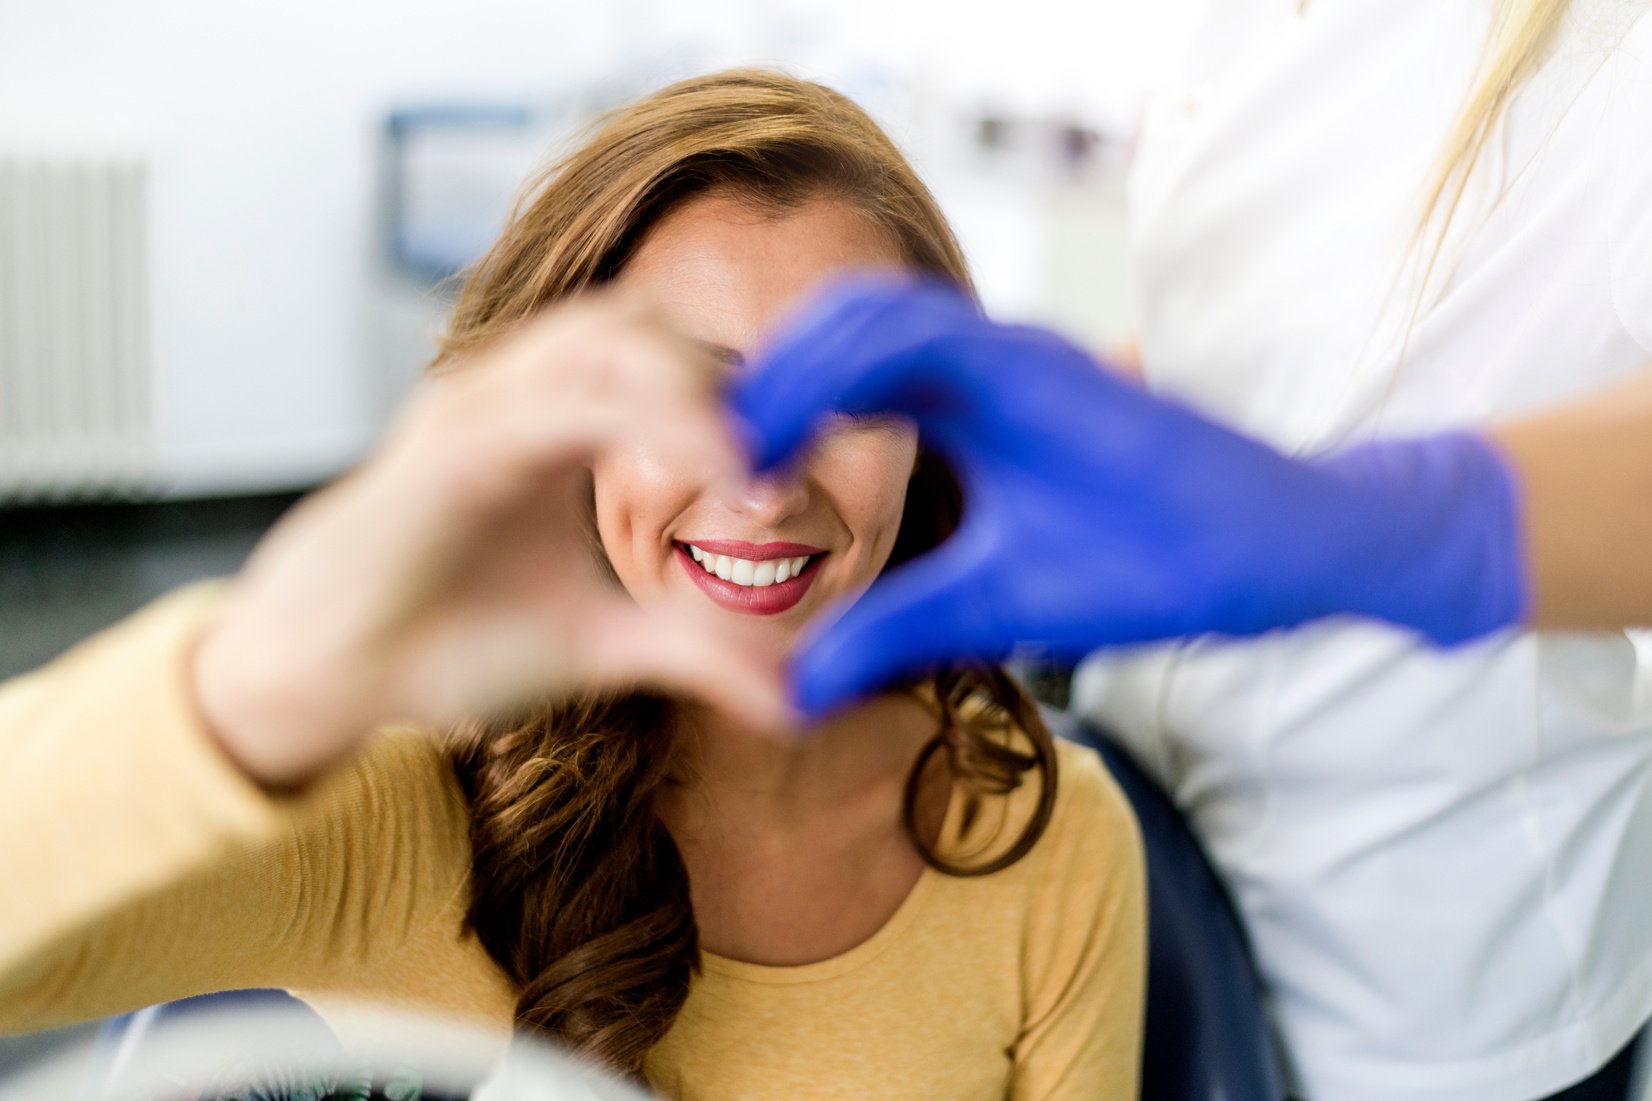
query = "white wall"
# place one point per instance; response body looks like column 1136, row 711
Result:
column 274, row 336
column 260, row 124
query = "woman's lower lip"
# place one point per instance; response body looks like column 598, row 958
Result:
column 767, row 600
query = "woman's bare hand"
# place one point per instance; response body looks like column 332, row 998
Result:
column 456, row 571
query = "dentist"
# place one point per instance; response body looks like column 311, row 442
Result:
column 1382, row 517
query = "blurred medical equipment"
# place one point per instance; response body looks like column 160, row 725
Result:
column 264, row 1044
column 449, row 172
column 75, row 354
column 1101, row 515
column 184, row 316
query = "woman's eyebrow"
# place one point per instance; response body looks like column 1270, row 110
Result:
column 720, row 352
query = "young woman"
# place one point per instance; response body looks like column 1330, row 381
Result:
column 907, row 902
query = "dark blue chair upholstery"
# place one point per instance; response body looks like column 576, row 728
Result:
column 1206, row 1038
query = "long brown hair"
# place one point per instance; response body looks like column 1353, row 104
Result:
column 578, row 891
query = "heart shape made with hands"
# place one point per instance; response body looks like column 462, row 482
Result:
column 1098, row 514
column 991, row 400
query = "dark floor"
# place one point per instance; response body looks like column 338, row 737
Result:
column 65, row 573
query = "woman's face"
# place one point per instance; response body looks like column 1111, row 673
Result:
column 774, row 552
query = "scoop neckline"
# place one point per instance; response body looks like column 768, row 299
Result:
column 832, row 966
column 870, row 948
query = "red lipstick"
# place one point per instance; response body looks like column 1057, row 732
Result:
column 750, row 599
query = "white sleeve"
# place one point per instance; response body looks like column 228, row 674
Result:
column 1630, row 189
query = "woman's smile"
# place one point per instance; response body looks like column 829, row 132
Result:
column 753, row 578
column 776, row 549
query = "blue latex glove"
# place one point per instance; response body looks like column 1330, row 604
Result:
column 1098, row 514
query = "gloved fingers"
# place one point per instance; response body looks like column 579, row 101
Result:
column 926, row 613
column 868, row 344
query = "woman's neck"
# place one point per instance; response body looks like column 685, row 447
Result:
column 840, row 761
column 797, row 851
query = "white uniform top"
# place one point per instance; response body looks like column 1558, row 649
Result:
column 1444, row 859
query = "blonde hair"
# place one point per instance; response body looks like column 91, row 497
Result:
column 1519, row 38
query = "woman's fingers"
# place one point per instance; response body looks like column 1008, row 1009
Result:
column 593, row 642
column 678, row 653
column 594, row 350
column 579, row 379
column 455, row 572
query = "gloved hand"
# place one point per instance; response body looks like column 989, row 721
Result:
column 1098, row 514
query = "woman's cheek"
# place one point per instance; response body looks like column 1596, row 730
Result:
column 865, row 470
column 637, row 496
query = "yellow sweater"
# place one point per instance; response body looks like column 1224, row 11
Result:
column 143, row 867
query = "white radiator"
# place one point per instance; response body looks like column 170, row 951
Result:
column 76, row 387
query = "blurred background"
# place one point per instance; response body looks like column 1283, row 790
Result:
column 223, row 226
column 226, row 228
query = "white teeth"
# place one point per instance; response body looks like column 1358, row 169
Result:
column 745, row 572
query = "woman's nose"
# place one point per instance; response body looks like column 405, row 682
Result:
column 770, row 499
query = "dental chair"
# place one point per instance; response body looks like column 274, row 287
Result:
column 1205, row 1037
column 121, row 1038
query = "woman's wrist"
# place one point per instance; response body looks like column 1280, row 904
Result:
column 279, row 736
column 1585, row 472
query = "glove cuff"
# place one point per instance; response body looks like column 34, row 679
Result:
column 1437, row 538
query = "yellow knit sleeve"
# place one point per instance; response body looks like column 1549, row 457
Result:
column 1086, row 947
column 141, row 866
